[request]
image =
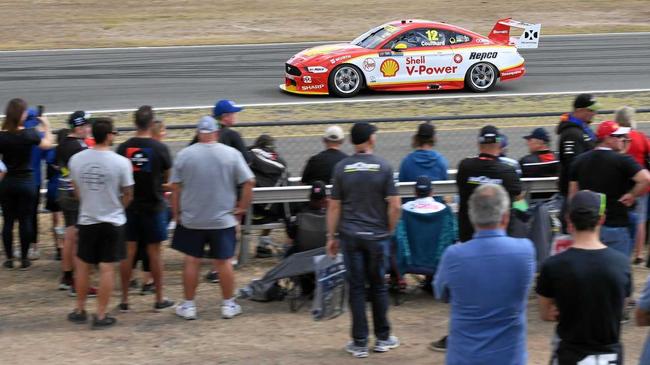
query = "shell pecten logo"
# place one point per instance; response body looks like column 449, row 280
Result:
column 389, row 67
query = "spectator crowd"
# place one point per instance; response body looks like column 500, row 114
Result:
column 113, row 207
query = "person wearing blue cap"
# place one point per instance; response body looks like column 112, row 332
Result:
column 541, row 162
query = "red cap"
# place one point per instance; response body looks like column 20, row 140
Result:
column 610, row 128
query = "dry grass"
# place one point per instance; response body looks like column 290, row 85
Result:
column 83, row 23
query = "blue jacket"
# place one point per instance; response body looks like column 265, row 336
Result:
column 37, row 153
column 423, row 162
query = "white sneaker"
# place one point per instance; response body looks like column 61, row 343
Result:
column 187, row 312
column 33, row 254
column 230, row 311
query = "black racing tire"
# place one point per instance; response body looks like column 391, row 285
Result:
column 481, row 77
column 345, row 81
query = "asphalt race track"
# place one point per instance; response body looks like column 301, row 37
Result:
column 189, row 76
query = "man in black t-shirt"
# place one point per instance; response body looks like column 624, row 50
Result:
column 606, row 170
column 147, row 214
column 72, row 144
column 364, row 210
column 584, row 289
column 320, row 166
column 483, row 169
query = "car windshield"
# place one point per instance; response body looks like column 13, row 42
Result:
column 375, row 37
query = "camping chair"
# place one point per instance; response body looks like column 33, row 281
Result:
column 419, row 242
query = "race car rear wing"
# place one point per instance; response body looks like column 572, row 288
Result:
column 528, row 39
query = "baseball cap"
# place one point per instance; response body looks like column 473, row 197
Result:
column 318, row 191
column 539, row 133
column 426, row 130
column 207, row 124
column 78, row 118
column 489, row 134
column 361, row 132
column 334, row 133
column 586, row 101
column 588, row 202
column 225, row 106
column 610, row 128
column 423, row 185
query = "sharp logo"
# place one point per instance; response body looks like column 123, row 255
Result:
column 482, row 55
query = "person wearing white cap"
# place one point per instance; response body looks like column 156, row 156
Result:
column 319, row 167
column 206, row 209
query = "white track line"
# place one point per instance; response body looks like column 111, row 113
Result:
column 274, row 44
column 376, row 100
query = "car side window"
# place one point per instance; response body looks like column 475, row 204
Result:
column 421, row 37
column 457, row 38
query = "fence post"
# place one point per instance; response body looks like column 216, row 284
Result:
column 245, row 237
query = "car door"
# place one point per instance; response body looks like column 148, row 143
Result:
column 424, row 57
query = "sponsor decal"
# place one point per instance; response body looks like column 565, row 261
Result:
column 480, row 180
column 482, row 41
column 416, row 60
column 431, row 43
column 390, row 54
column 389, row 68
column 306, row 79
column 500, row 31
column 360, row 166
column 139, row 158
column 369, row 64
column 458, row 58
column 482, row 55
column 373, row 79
column 313, row 87
column 317, row 51
column 340, row 58
column 436, row 70
column 391, row 29
column 511, row 73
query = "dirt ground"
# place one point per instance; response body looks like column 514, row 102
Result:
column 84, row 23
column 34, row 329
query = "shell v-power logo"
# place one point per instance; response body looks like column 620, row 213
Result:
column 389, row 67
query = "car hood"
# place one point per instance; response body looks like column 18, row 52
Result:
column 338, row 52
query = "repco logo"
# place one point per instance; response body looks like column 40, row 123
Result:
column 482, row 55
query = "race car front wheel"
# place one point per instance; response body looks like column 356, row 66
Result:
column 345, row 81
column 481, row 77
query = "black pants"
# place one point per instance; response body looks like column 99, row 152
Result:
column 17, row 197
column 141, row 254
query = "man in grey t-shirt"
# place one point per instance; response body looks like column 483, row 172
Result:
column 103, row 182
column 364, row 210
column 204, row 204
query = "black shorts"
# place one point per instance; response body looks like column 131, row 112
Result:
column 102, row 242
column 192, row 242
column 146, row 227
column 69, row 206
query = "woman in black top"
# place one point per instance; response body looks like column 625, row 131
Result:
column 17, row 189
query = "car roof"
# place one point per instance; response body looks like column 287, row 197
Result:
column 406, row 24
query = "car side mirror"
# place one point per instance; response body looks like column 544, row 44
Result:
column 399, row 47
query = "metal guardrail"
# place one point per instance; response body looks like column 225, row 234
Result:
column 296, row 194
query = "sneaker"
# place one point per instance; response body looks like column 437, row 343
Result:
column 124, row 307
column 386, row 345
column 8, row 264
column 637, row 260
column 78, row 318
column 440, row 345
column 103, row 323
column 212, row 277
column 92, row 292
column 166, row 303
column 25, row 264
column 33, row 254
column 357, row 351
column 230, row 311
column 148, row 288
column 65, row 284
column 186, row 311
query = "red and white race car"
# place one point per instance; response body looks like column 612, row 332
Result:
column 412, row 55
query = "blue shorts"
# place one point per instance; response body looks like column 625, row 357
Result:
column 192, row 242
column 146, row 227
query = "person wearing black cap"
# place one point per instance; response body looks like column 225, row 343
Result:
column 424, row 160
column 483, row 169
column 584, row 289
column 575, row 137
column 71, row 145
column 363, row 212
column 541, row 162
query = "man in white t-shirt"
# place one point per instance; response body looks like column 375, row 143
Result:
column 103, row 182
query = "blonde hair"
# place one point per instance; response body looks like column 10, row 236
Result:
column 625, row 116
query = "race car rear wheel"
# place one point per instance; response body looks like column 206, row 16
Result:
column 481, row 77
column 345, row 81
